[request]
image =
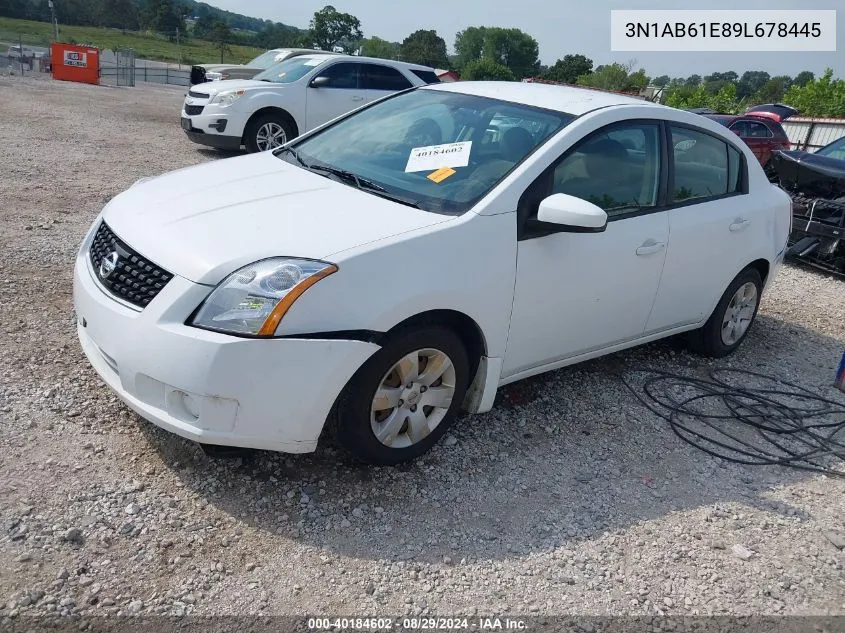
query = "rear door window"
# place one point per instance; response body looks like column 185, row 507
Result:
column 378, row 77
column 428, row 76
column 704, row 166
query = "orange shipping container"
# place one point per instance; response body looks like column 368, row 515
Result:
column 75, row 63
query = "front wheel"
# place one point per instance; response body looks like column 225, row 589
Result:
column 268, row 131
column 404, row 398
column 728, row 326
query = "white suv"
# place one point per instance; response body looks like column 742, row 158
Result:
column 290, row 98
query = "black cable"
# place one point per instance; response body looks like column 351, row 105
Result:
column 771, row 423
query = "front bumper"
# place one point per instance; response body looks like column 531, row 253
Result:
column 214, row 128
column 272, row 394
column 218, row 141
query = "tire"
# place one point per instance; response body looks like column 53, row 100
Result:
column 262, row 127
column 717, row 338
column 357, row 419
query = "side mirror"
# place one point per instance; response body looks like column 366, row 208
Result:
column 571, row 214
column 320, row 82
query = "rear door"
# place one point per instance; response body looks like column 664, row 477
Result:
column 713, row 223
column 342, row 92
column 381, row 80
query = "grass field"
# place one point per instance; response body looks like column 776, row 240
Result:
column 146, row 45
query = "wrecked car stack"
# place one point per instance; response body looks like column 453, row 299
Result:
column 816, row 183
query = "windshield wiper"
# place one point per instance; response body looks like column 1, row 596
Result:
column 365, row 185
column 361, row 183
column 296, row 155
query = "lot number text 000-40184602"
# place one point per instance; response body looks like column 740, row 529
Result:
column 686, row 30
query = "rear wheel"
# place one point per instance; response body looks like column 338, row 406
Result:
column 266, row 132
column 404, row 398
column 728, row 326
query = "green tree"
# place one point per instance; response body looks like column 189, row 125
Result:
column 486, row 70
column 773, row 90
column 568, row 69
column 661, row 81
column 221, row 35
column 469, row 45
column 14, row 8
column 803, row 78
column 511, row 48
column 377, row 47
column 426, row 48
column 119, row 14
column 823, row 97
column 165, row 18
column 276, row 35
column 616, row 77
column 751, row 82
column 330, row 28
column 203, row 26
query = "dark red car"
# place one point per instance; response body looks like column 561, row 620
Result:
column 760, row 128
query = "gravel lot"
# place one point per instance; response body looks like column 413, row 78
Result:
column 568, row 498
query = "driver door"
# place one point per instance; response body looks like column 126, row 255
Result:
column 342, row 92
column 577, row 293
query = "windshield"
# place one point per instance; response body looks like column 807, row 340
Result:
column 265, row 60
column 834, row 150
column 441, row 151
column 290, row 70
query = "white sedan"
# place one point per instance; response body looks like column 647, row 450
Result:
column 374, row 276
column 291, row 97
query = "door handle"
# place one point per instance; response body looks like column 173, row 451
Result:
column 739, row 224
column 650, row 247
column 357, row 98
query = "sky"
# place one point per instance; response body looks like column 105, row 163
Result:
column 560, row 27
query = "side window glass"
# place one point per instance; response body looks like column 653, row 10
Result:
column 344, row 76
column 617, row 170
column 740, row 128
column 757, row 130
column 701, row 165
column 384, row 78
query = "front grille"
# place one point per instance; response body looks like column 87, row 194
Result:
column 198, row 95
column 134, row 279
column 193, row 109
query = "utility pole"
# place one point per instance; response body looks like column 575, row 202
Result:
column 55, row 21
column 20, row 59
column 179, row 46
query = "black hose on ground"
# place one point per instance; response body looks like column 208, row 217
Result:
column 747, row 417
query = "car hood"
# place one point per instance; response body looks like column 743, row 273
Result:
column 219, row 67
column 204, row 222
column 213, row 87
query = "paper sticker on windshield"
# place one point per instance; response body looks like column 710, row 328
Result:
column 441, row 174
column 437, row 156
column 313, row 62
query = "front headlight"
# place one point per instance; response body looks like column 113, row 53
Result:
column 254, row 299
column 227, row 98
column 213, row 76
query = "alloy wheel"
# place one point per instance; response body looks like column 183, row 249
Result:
column 739, row 313
column 270, row 136
column 413, row 398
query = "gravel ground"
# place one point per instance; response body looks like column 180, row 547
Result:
column 568, row 498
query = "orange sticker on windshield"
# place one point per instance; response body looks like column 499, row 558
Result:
column 441, row 174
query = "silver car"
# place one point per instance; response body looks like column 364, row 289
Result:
column 215, row 72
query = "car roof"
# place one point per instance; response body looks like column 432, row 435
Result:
column 568, row 99
column 374, row 60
